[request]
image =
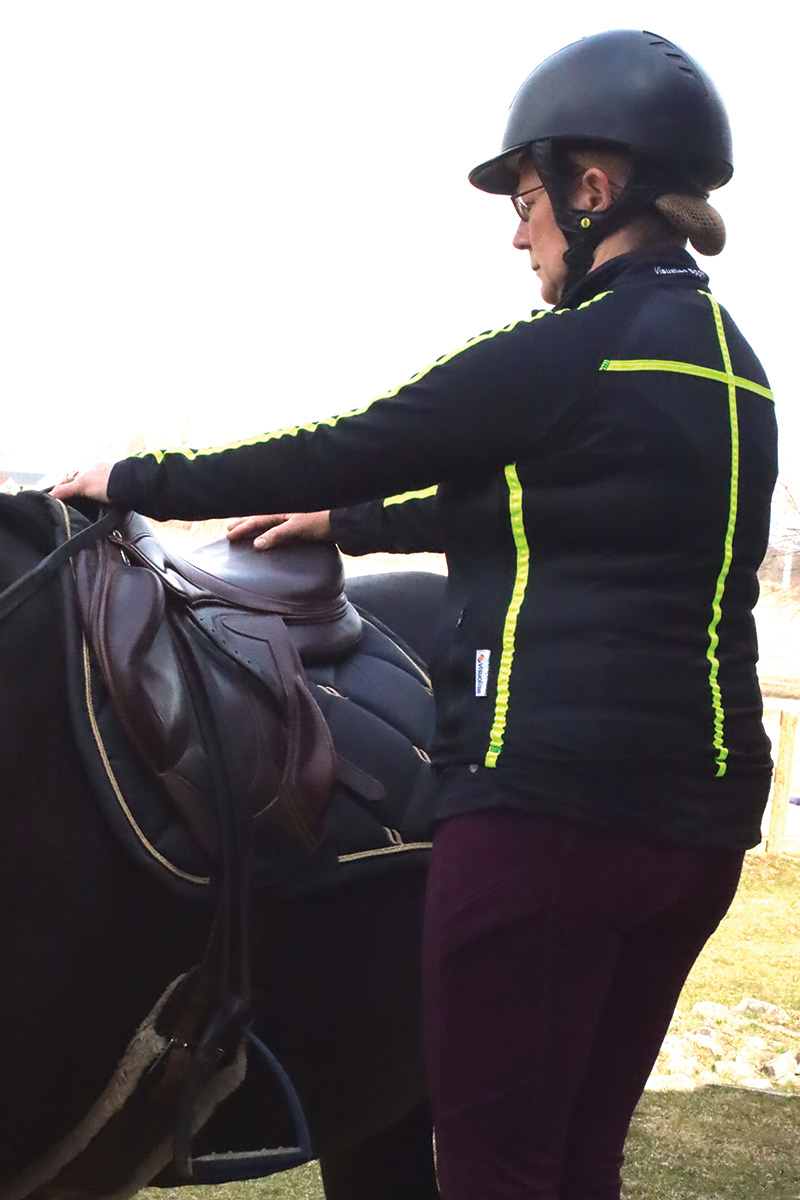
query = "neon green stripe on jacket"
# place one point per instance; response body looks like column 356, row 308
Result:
column 682, row 368
column 421, row 495
column 497, row 734
column 716, row 606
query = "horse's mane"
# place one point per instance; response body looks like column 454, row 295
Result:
column 30, row 516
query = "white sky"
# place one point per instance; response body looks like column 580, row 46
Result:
column 221, row 218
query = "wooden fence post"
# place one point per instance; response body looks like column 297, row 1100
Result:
column 780, row 785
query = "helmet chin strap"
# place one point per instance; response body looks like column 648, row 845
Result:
column 585, row 230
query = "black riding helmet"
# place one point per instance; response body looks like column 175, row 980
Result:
column 635, row 91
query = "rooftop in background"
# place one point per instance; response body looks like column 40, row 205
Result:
column 12, row 482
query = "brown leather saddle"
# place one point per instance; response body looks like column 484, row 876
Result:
column 211, row 648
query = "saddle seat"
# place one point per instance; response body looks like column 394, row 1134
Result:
column 302, row 583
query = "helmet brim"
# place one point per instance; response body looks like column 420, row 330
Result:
column 499, row 175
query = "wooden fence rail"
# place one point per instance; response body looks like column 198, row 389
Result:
column 779, row 804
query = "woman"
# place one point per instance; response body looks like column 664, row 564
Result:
column 599, row 477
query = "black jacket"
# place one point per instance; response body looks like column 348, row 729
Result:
column 604, row 477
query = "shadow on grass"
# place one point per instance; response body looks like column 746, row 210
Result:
column 717, row 1143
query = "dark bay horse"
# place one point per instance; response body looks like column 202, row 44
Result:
column 88, row 942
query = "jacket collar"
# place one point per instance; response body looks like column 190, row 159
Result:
column 654, row 265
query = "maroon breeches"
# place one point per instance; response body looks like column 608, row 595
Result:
column 554, row 957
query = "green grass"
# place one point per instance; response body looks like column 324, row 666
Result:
column 301, row 1184
column 721, row 1143
column 716, row 1143
column 756, row 950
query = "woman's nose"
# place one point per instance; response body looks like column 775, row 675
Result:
column 521, row 240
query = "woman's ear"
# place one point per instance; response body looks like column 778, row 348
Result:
column 594, row 191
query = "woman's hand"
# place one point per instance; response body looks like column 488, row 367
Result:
column 92, row 483
column 275, row 529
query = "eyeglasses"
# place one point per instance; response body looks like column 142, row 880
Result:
column 522, row 209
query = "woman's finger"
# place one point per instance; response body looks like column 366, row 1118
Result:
column 244, row 527
column 296, row 527
column 287, row 531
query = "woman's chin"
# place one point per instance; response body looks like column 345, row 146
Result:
column 549, row 293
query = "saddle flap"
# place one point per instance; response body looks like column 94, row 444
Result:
column 151, row 680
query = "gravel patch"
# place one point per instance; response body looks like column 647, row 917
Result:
column 755, row 1044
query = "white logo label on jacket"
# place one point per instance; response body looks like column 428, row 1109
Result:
column 481, row 671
